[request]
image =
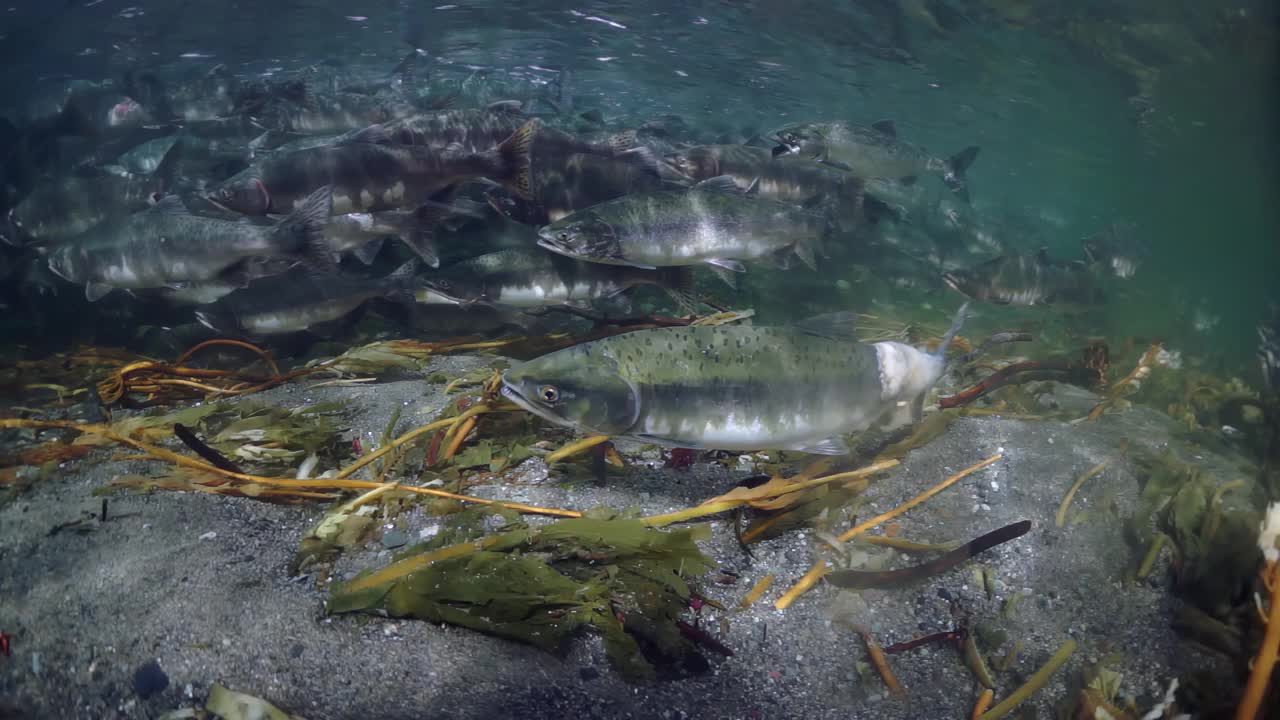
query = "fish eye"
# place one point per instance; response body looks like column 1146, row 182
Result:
column 549, row 394
column 562, row 236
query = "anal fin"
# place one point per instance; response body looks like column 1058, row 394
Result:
column 834, row 445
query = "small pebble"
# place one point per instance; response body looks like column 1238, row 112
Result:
column 209, row 535
column 35, row 663
column 995, row 485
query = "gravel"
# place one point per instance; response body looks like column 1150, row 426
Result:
column 199, row 585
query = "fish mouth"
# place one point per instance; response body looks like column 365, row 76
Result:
column 209, row 199
column 511, row 393
column 554, row 246
column 449, row 295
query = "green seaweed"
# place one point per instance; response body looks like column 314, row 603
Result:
column 1211, row 523
column 540, row 585
column 272, row 435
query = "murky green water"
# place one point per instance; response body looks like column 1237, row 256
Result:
column 1159, row 116
column 391, row 200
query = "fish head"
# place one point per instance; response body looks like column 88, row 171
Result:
column 584, row 236
column 243, row 193
column 454, row 290
column 578, row 387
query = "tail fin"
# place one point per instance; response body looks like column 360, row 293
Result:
column 419, row 230
column 442, row 102
column 956, row 166
column 956, row 324
column 404, row 70
column 678, row 283
column 302, row 232
column 166, row 171
column 514, row 165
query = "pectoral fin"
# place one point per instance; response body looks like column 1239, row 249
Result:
column 93, row 292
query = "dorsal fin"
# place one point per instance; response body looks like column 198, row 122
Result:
column 836, row 326
column 885, row 127
column 374, row 135
column 170, row 205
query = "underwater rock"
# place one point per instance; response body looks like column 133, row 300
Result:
column 149, row 679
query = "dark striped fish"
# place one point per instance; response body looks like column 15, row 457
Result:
column 534, row 278
column 369, row 177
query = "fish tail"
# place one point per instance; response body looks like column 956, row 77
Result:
column 404, row 71
column 166, row 170
column 956, row 166
column 956, row 324
column 514, row 165
column 678, row 283
column 73, row 120
column 419, row 230
column 302, row 232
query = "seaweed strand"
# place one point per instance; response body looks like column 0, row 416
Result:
column 857, row 579
column 881, row 662
column 301, row 487
column 1036, row 682
column 1265, row 662
column 199, row 447
column 1061, row 518
column 850, row 534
